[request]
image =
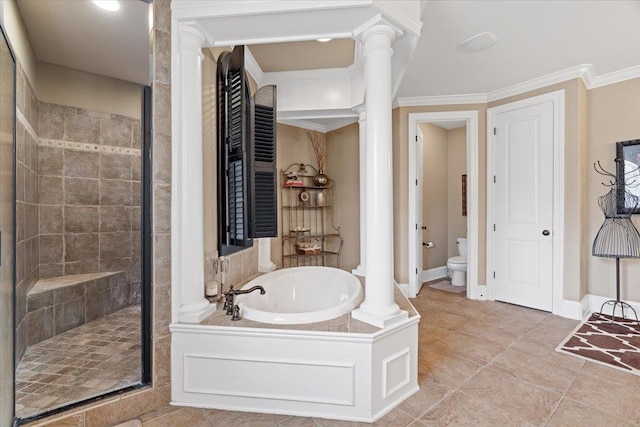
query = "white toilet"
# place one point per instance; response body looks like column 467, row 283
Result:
column 458, row 264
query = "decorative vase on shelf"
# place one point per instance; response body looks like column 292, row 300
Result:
column 320, row 180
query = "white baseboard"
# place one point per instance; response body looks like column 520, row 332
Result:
column 573, row 309
column 404, row 287
column 434, row 273
column 594, row 302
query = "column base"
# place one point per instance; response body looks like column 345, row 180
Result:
column 359, row 271
column 195, row 313
column 378, row 320
column 265, row 268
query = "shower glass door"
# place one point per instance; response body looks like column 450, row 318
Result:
column 7, row 177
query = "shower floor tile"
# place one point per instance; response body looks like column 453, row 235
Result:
column 94, row 358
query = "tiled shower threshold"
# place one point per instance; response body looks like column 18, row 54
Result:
column 92, row 359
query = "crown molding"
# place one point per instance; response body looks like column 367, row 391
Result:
column 550, row 79
column 474, row 98
column 615, row 77
column 304, row 124
column 252, row 66
column 586, row 72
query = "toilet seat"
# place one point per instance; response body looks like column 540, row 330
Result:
column 458, row 260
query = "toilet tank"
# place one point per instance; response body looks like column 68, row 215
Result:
column 462, row 246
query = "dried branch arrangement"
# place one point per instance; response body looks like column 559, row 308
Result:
column 321, row 148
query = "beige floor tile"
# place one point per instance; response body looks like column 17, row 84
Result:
column 220, row 418
column 611, row 375
column 475, row 349
column 461, row 409
column 613, row 398
column 192, row 417
column 524, row 313
column 444, row 320
column 527, row 401
column 445, row 369
column 428, row 395
column 298, row 422
column 562, row 323
column 529, row 368
column 532, row 347
column 396, row 418
column 574, row 414
column 478, row 329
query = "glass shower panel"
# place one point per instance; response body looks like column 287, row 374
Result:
column 7, row 120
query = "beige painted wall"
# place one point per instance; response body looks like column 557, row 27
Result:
column 457, row 166
column 613, row 116
column 292, row 146
column 19, row 39
column 65, row 86
column 343, row 167
column 435, row 199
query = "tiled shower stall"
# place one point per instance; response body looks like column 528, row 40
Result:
column 78, row 179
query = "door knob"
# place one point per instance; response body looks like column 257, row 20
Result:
column 546, row 232
column 424, row 227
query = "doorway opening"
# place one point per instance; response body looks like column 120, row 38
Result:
column 418, row 273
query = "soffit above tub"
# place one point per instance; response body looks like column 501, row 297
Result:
column 77, row 34
column 304, row 55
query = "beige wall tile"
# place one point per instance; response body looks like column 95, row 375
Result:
column 81, row 164
column 116, row 131
column 115, row 245
column 51, row 121
column 51, row 248
column 50, row 219
column 162, row 208
column 81, row 267
column 115, row 192
column 39, row 325
column 161, row 310
column 50, row 161
column 50, row 190
column 162, row 158
column 162, row 260
column 81, row 219
column 50, row 270
column 81, row 247
column 162, row 108
column 162, row 52
column 115, row 166
column 81, row 127
column 115, row 218
column 136, row 168
column 136, row 134
column 81, row 191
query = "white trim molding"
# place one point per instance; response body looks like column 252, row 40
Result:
column 471, row 117
column 434, row 273
column 586, row 72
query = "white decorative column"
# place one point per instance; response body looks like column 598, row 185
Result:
column 187, row 243
column 362, row 121
column 265, row 264
column 379, row 308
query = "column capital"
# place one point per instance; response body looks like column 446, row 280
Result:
column 382, row 29
column 362, row 112
column 191, row 37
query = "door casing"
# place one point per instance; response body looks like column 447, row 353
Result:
column 557, row 98
column 474, row 289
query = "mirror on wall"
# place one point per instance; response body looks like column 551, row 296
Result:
column 82, row 134
column 628, row 171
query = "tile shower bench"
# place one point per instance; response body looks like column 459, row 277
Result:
column 58, row 304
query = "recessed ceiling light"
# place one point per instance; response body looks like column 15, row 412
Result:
column 480, row 41
column 324, row 39
column 110, row 5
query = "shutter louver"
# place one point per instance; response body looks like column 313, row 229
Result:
column 264, row 214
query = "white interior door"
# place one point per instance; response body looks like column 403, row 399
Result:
column 523, row 206
column 419, row 219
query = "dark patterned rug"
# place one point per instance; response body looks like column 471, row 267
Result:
column 616, row 344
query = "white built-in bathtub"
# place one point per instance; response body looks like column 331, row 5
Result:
column 301, row 295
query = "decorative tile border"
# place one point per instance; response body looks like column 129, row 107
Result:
column 80, row 146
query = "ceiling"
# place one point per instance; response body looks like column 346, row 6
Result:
column 535, row 38
column 77, row 34
column 306, row 55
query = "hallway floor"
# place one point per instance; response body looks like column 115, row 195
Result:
column 482, row 364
